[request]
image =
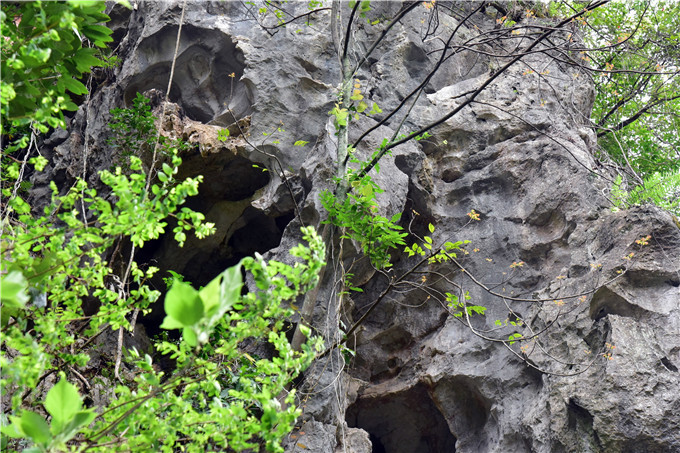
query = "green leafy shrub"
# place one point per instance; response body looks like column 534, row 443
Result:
column 661, row 189
column 357, row 215
column 43, row 58
column 216, row 397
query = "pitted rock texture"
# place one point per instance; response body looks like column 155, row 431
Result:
column 601, row 375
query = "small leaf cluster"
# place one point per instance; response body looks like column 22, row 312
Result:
column 358, row 215
column 43, row 58
column 64, row 404
column 145, row 216
column 444, row 253
column 134, row 128
column 461, row 307
column 357, row 105
column 219, row 397
column 437, row 255
column 661, row 189
column 134, row 132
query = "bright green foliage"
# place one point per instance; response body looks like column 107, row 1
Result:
column 223, row 134
column 660, row 189
column 443, row 254
column 43, row 58
column 638, row 107
column 54, row 262
column 631, row 53
column 59, row 255
column 460, row 307
column 219, row 398
column 64, row 404
column 135, row 133
column 197, row 312
column 57, row 259
column 14, row 295
column 514, row 337
column 357, row 215
column 134, row 128
column 638, row 95
column 436, row 255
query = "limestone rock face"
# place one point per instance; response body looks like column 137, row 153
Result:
column 599, row 371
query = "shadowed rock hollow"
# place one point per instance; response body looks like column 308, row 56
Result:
column 521, row 156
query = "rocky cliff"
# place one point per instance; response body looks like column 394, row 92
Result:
column 598, row 371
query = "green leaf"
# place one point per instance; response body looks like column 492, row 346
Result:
column 210, row 294
column 183, row 304
column 85, row 59
column 98, row 34
column 231, row 286
column 82, row 418
column 190, row 336
column 7, row 92
column 222, row 292
column 300, row 143
column 170, row 323
column 513, row 337
column 431, row 228
column 13, row 288
column 35, row 427
column 73, row 85
column 13, row 430
column 223, row 134
column 83, row 3
column 62, row 403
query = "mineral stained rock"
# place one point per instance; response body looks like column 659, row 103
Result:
column 601, row 374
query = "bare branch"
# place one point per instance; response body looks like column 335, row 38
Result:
column 479, row 90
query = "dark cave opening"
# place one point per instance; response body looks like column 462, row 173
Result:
column 225, row 197
column 403, row 422
column 259, row 233
column 378, row 447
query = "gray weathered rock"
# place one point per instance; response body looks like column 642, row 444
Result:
column 521, row 156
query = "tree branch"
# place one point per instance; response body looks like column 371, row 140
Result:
column 476, row 93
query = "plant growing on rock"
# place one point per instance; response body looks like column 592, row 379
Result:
column 351, row 203
column 69, row 275
column 220, row 394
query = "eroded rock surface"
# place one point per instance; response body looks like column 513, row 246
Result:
column 422, row 379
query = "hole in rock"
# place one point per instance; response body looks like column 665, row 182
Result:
column 606, row 302
column 225, row 197
column 202, row 83
column 451, row 174
column 403, row 422
column 669, row 365
column 259, row 234
column 581, row 421
column 377, row 446
column 578, row 415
